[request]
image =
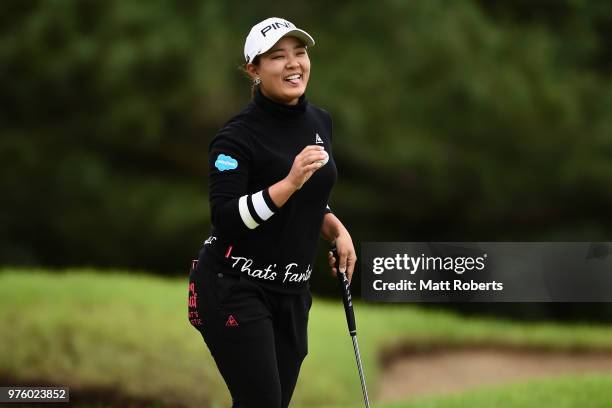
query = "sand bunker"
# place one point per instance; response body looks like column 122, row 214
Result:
column 439, row 371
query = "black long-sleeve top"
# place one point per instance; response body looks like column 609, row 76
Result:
column 254, row 150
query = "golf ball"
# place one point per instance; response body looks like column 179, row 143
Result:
column 325, row 160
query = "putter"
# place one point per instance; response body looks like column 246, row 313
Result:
column 350, row 320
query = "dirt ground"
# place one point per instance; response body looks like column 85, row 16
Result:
column 440, row 371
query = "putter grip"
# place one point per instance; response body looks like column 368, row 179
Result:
column 346, row 295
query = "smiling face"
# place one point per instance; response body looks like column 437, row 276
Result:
column 284, row 71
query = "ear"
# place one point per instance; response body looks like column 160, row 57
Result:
column 252, row 70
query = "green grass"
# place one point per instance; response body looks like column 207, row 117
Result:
column 130, row 332
column 566, row 392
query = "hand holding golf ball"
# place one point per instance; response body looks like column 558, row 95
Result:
column 309, row 160
column 325, row 160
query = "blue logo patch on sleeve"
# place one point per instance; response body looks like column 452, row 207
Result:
column 224, row 162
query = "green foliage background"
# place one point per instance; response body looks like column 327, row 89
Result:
column 453, row 120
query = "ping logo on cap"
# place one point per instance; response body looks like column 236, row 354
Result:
column 267, row 32
column 275, row 25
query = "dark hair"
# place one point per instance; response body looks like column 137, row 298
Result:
column 242, row 68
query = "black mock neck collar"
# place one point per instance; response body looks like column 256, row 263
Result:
column 274, row 107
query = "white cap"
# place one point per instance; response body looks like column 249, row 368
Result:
column 265, row 34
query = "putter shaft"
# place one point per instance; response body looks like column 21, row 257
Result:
column 364, row 390
column 350, row 320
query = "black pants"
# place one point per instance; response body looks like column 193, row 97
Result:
column 258, row 338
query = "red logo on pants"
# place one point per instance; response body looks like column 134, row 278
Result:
column 194, row 316
column 231, row 322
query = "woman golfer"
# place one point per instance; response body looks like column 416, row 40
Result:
column 271, row 172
